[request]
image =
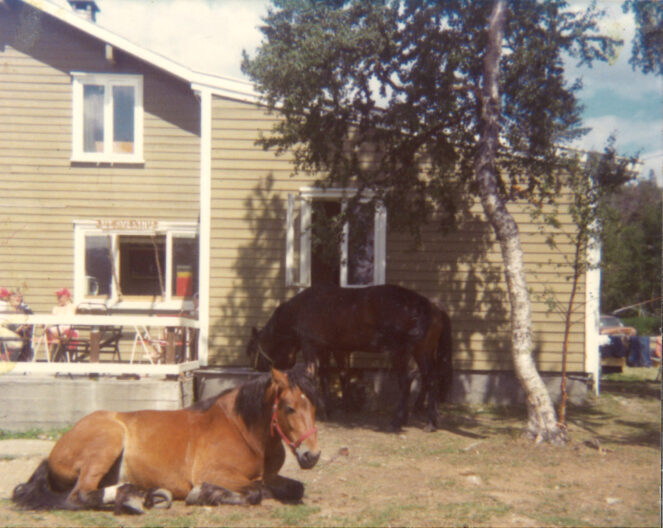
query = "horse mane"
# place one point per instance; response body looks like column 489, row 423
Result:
column 250, row 400
column 208, row 403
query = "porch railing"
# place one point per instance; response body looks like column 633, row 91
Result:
column 175, row 336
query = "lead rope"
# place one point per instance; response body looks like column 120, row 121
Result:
column 262, row 353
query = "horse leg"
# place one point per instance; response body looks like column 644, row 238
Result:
column 214, row 495
column 131, row 499
column 399, row 361
column 421, row 397
column 428, row 388
column 343, row 378
column 324, row 375
column 433, row 395
column 88, row 460
column 283, row 489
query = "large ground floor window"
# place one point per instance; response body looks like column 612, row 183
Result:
column 136, row 261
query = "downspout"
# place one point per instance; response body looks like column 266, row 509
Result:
column 205, row 223
column 592, row 306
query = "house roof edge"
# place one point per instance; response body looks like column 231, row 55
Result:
column 225, row 86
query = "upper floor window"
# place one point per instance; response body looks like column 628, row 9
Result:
column 357, row 259
column 108, row 118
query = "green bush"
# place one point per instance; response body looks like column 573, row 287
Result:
column 645, row 325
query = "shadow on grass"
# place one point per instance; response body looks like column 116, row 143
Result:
column 469, row 421
column 635, row 388
column 626, row 413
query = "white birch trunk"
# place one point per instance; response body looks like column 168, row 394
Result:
column 542, row 421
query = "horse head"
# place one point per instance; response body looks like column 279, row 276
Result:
column 265, row 351
column 293, row 414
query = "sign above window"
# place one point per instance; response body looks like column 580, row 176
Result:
column 127, row 224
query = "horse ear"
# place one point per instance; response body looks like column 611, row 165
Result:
column 279, row 378
column 254, row 332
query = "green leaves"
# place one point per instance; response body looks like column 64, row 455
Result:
column 386, row 93
column 647, row 51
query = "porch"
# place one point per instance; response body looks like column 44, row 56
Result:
column 139, row 345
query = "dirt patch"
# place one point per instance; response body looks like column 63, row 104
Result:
column 475, row 471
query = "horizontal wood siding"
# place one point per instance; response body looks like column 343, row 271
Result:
column 249, row 202
column 461, row 270
column 41, row 190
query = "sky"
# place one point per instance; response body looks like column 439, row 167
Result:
column 209, row 36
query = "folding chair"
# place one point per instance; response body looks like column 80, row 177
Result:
column 67, row 346
column 154, row 349
column 76, row 345
column 16, row 346
column 11, row 348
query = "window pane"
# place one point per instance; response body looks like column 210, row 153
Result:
column 142, row 265
column 360, row 245
column 325, row 242
column 98, row 267
column 123, row 119
column 93, row 118
column 185, row 266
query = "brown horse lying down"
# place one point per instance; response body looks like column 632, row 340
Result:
column 225, row 450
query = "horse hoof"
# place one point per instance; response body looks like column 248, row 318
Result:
column 159, row 498
column 430, row 428
column 394, row 428
column 254, row 497
column 133, row 506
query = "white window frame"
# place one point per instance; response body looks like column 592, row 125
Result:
column 114, row 229
column 305, row 198
column 107, row 80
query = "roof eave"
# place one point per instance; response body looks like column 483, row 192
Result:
column 225, row 86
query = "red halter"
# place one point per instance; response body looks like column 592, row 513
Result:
column 275, row 425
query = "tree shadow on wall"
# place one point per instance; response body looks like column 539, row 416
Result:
column 468, row 281
column 258, row 273
column 468, row 274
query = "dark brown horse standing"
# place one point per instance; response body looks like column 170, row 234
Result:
column 225, row 450
column 325, row 320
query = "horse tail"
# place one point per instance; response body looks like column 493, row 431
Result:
column 444, row 357
column 37, row 493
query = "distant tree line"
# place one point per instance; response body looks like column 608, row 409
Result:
column 631, row 247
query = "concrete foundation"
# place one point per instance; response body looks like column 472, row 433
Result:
column 380, row 387
column 50, row 402
column 472, row 387
column 213, row 381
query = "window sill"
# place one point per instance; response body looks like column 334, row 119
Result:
column 140, row 303
column 107, row 160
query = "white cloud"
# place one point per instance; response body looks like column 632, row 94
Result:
column 627, row 132
column 209, row 36
column 636, row 97
column 633, row 137
column 616, row 76
column 653, row 161
column 204, row 35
